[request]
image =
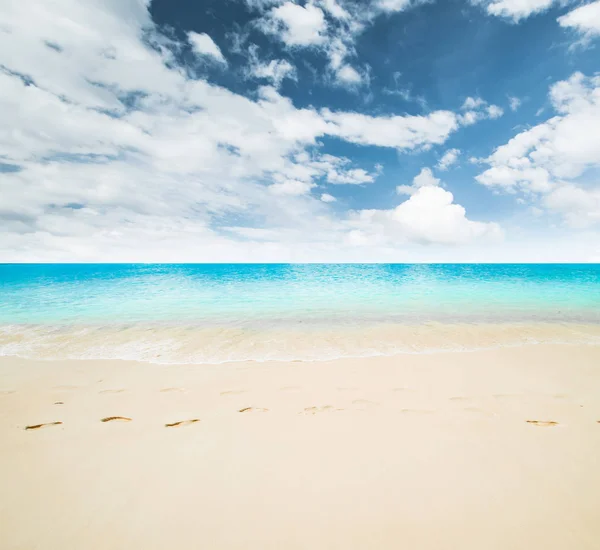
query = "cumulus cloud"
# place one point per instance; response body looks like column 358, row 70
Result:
column 329, row 26
column 448, row 159
column 584, row 19
column 355, row 176
column 121, row 156
column 476, row 109
column 514, row 102
column 274, row 71
column 517, row 9
column 203, row 45
column 291, row 187
column 326, row 197
column 391, row 6
column 400, row 132
column 296, row 25
column 429, row 216
column 425, row 178
column 553, row 159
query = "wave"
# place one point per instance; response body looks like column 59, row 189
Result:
column 168, row 344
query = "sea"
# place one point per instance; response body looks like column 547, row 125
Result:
column 216, row 313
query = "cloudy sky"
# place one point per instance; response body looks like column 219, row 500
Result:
column 293, row 131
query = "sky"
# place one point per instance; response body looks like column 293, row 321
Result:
column 300, row 131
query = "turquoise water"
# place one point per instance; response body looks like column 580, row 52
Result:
column 40, row 302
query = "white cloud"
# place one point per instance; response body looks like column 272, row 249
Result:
column 123, row 157
column 494, row 111
column 554, row 158
column 424, row 178
column 291, row 187
column 476, row 109
column 429, row 216
column 584, row 19
column 517, row 9
column 392, row 6
column 448, row 159
column 204, row 45
column 326, row 197
column 355, row 176
column 348, row 75
column 328, row 26
column 515, row 103
column 333, row 8
column 401, row 132
column 275, row 71
column 296, row 25
column 472, row 103
column 579, row 206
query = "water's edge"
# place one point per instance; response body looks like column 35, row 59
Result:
column 214, row 345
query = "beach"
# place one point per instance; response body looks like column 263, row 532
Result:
column 494, row 448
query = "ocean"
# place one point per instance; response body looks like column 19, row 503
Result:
column 212, row 313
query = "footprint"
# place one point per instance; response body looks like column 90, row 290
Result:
column 233, row 392
column 542, row 423
column 112, row 391
column 170, row 390
column 252, row 409
column 182, row 423
column 459, row 398
column 7, row 392
column 38, row 426
column 401, row 389
column 116, row 419
column 59, row 403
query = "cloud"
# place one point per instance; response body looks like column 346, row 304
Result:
column 583, row 19
column 348, row 75
column 391, row 6
column 494, row 111
column 326, row 197
column 429, row 216
column 557, row 158
column 123, row 156
column 425, row 178
column 296, row 25
column 517, row 9
column 400, row 132
column 354, row 176
column 203, row 45
column 291, row 187
column 472, row 103
column 514, row 102
column 476, row 109
column 327, row 26
column 579, row 206
column 275, row 71
column 333, row 8
column 448, row 159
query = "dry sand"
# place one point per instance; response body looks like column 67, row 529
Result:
column 483, row 450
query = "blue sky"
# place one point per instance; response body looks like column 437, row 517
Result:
column 274, row 130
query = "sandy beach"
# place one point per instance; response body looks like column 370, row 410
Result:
column 491, row 449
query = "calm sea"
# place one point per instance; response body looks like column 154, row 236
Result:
column 213, row 313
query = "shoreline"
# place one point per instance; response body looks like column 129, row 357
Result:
column 169, row 345
column 490, row 449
